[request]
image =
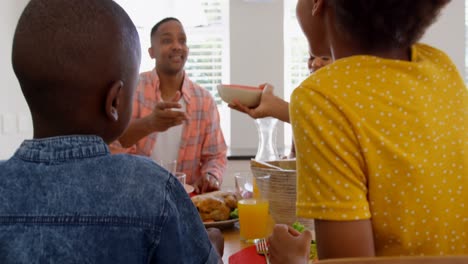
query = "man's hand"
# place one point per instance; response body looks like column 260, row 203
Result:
column 167, row 114
column 206, row 183
column 287, row 245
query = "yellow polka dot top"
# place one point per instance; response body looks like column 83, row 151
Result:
column 386, row 140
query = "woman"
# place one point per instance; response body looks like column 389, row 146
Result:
column 380, row 136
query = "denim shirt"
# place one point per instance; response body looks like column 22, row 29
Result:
column 67, row 200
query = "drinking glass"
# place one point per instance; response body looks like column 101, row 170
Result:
column 254, row 218
column 246, row 186
column 170, row 166
column 181, row 177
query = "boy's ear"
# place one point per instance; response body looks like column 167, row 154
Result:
column 317, row 7
column 113, row 100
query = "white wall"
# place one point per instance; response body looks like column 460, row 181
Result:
column 448, row 33
column 256, row 44
column 256, row 57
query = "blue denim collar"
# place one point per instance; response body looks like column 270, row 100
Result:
column 62, row 149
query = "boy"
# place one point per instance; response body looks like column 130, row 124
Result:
column 65, row 199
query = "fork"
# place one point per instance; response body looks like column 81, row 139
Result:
column 262, row 248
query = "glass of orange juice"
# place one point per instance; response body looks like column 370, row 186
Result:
column 253, row 219
column 246, row 185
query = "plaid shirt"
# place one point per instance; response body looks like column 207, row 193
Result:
column 202, row 148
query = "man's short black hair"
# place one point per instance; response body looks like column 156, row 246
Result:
column 382, row 24
column 156, row 27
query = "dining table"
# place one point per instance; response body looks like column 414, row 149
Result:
column 232, row 242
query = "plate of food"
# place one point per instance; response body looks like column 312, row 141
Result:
column 217, row 209
column 221, row 224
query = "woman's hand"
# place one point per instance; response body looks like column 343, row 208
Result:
column 270, row 106
column 263, row 109
column 287, row 245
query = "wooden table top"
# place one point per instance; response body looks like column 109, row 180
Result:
column 232, row 242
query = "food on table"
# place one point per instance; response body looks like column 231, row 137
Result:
column 228, row 197
column 234, row 214
column 298, row 226
column 211, row 208
column 215, row 206
column 313, row 245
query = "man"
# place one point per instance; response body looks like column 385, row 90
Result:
column 65, row 199
column 174, row 118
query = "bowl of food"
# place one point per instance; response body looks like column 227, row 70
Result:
column 246, row 95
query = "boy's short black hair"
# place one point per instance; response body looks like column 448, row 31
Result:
column 382, row 24
column 156, row 27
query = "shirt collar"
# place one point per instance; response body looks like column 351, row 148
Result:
column 62, row 148
column 185, row 90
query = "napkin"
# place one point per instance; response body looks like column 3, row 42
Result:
column 247, row 255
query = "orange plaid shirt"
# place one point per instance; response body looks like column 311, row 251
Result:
column 202, row 148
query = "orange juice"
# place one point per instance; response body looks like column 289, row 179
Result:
column 256, row 191
column 253, row 219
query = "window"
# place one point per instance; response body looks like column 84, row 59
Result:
column 466, row 41
column 206, row 23
column 296, row 55
column 208, row 62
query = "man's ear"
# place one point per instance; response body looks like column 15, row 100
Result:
column 317, row 7
column 150, row 52
column 113, row 100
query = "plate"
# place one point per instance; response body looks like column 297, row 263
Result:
column 189, row 188
column 221, row 224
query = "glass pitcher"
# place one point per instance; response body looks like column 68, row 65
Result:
column 266, row 128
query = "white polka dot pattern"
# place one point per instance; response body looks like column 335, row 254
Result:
column 386, row 140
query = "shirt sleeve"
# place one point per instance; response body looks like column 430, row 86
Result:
column 214, row 149
column 331, row 181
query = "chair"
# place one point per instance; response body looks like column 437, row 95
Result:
column 400, row 260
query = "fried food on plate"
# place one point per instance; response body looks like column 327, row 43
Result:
column 215, row 206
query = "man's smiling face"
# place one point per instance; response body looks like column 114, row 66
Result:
column 169, row 47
